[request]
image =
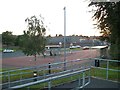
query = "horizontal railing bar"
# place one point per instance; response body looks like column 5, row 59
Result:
column 29, row 68
column 23, row 73
column 105, row 69
column 48, row 75
column 114, row 70
column 49, row 79
column 105, row 59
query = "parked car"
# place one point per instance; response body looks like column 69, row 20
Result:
column 86, row 47
column 8, row 51
column 77, row 46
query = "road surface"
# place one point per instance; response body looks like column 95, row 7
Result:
column 26, row 61
column 15, row 54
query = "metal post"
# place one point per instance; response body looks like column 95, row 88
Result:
column 9, row 79
column 107, row 70
column 79, row 82
column 83, row 83
column 20, row 77
column 64, row 38
column 71, row 65
column 49, row 85
column 49, row 67
column 89, row 76
column 44, row 76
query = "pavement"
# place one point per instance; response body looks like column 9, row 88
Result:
column 95, row 83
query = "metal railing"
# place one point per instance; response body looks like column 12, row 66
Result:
column 106, row 65
column 49, row 72
column 50, row 79
column 16, row 77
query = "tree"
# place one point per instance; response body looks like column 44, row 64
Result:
column 60, row 35
column 107, row 15
column 17, row 40
column 33, row 40
column 49, row 36
column 7, row 38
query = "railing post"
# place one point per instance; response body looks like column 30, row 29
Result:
column 71, row 65
column 107, row 70
column 79, row 81
column 28, row 88
column 8, row 79
column 49, row 85
column 83, row 82
column 44, row 76
column 20, row 77
column 89, row 76
column 64, row 65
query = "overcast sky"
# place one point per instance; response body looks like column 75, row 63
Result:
column 78, row 18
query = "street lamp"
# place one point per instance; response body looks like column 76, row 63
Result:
column 64, row 38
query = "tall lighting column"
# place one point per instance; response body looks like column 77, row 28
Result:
column 64, row 38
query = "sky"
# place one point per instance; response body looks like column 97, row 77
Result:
column 78, row 18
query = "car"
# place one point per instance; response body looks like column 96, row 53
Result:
column 72, row 47
column 8, row 51
column 86, row 47
column 77, row 46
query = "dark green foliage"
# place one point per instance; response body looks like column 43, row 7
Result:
column 108, row 21
column 33, row 40
column 17, row 39
column 7, row 38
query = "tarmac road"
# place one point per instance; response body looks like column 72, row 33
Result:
column 14, row 54
column 20, row 60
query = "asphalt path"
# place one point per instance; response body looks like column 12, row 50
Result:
column 95, row 84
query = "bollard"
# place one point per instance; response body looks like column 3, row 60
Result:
column 97, row 63
column 51, row 53
column 49, row 66
column 35, row 75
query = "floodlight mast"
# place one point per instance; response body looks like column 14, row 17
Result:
column 64, row 38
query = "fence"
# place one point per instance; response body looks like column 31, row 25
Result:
column 23, row 76
column 26, row 77
column 107, row 66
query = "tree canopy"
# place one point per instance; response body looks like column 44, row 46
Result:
column 33, row 40
column 107, row 15
column 7, row 38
